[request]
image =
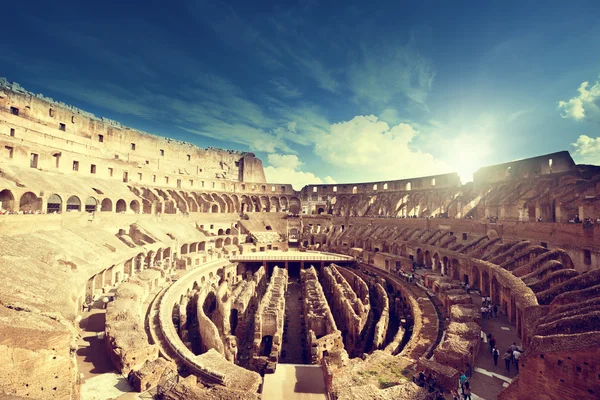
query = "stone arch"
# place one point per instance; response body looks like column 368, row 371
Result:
column 219, row 243
column 227, row 241
column 445, row 265
column 295, row 205
column 283, row 201
column 385, row 247
column 420, row 258
column 236, row 203
column 436, row 265
column 228, row 203
column 184, row 248
column 149, row 259
column 106, row 205
column 275, row 206
column 7, row 200
column 255, row 203
column 134, row 206
column 54, row 204
column 121, row 206
column 428, row 261
column 214, row 209
column 30, row 202
column 73, row 204
column 91, row 205
column 220, row 232
column 220, row 202
column 236, row 241
column 265, row 204
column 245, row 204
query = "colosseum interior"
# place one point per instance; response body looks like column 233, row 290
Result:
column 134, row 265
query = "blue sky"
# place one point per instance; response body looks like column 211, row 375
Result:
column 326, row 91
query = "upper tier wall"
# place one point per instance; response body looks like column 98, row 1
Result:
column 527, row 168
column 43, row 123
column 426, row 182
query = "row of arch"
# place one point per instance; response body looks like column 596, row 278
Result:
column 401, row 204
column 173, row 200
column 152, row 201
column 30, row 202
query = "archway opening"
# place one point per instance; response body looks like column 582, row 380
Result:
column 106, row 205
column 121, row 206
column 73, row 204
column 30, row 203
column 54, row 204
column 91, row 204
column 134, row 206
column 233, row 320
column 266, row 345
column 7, row 200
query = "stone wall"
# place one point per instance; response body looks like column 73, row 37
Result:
column 270, row 315
column 349, row 310
column 126, row 341
column 321, row 330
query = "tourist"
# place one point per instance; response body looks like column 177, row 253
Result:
column 507, row 357
column 490, row 311
column 513, row 347
column 495, row 353
column 421, row 378
column 440, row 395
column 516, row 355
column 483, row 312
column 492, row 343
column 462, row 380
column 467, row 391
column 468, row 288
column 495, row 310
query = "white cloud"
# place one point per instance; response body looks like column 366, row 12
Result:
column 373, row 150
column 289, row 161
column 386, row 73
column 587, row 149
column 586, row 106
column 284, row 168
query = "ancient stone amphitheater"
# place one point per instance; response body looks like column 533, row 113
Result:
column 135, row 262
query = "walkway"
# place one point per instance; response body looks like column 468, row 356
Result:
column 98, row 378
column 489, row 380
column 295, row 382
column 292, row 350
column 271, row 256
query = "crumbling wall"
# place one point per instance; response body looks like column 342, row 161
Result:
column 125, row 337
column 349, row 311
column 270, row 315
column 381, row 303
column 322, row 334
